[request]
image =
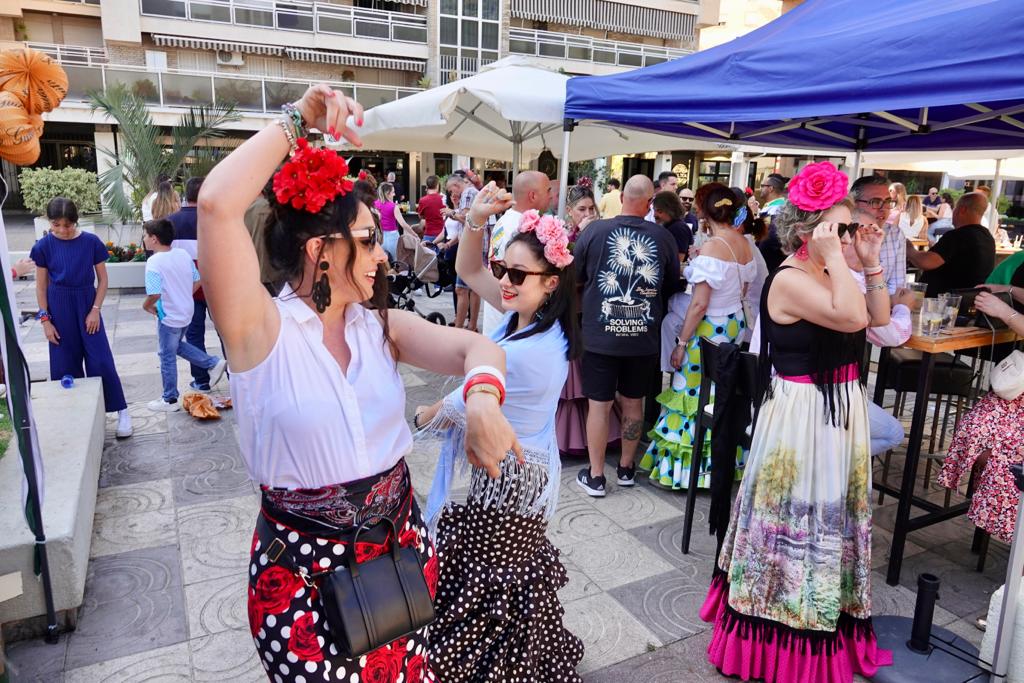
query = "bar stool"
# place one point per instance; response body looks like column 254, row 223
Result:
column 951, row 378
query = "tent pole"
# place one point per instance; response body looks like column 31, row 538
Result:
column 563, row 168
column 856, row 166
column 997, row 190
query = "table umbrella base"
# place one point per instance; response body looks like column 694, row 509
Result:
column 950, row 659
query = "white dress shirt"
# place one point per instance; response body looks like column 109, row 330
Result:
column 302, row 422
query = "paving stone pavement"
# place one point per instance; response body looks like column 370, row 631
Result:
column 166, row 587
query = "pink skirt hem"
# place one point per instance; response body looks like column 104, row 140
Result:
column 752, row 648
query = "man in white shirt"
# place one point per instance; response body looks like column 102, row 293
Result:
column 530, row 190
column 171, row 280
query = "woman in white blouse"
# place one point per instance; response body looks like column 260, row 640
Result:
column 318, row 397
column 720, row 276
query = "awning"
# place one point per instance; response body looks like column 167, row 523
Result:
column 206, row 44
column 917, row 75
column 346, row 59
column 610, row 16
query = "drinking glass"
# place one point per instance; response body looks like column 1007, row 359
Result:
column 952, row 308
column 932, row 312
column 919, row 289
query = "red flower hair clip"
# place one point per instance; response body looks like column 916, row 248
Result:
column 311, row 178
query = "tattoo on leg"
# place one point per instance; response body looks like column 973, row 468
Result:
column 631, row 429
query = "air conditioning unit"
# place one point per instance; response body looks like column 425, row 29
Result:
column 229, row 58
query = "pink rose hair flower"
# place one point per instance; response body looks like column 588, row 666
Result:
column 817, row 187
column 529, row 221
column 551, row 233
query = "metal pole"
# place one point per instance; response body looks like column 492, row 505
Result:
column 1011, row 593
column 517, row 149
column 563, row 168
column 997, row 189
column 856, row 166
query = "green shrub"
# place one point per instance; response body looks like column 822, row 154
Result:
column 40, row 185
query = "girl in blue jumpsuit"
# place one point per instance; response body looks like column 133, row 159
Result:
column 69, row 305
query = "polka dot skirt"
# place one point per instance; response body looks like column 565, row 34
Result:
column 498, row 615
column 287, row 622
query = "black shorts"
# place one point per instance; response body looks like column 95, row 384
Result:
column 628, row 375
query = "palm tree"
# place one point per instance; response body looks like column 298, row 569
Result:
column 142, row 158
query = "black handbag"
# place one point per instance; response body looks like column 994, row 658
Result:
column 369, row 604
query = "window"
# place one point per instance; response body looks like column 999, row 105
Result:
column 203, row 62
column 714, row 172
column 156, row 60
column 469, row 35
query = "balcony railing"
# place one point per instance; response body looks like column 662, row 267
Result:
column 72, row 54
column 587, row 49
column 310, row 17
column 253, row 94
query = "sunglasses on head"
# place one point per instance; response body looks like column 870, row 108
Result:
column 515, row 275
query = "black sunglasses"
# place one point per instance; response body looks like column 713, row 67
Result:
column 847, row 228
column 515, row 275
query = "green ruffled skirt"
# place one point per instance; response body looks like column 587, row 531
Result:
column 670, row 455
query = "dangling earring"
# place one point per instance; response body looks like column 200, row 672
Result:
column 321, row 294
column 542, row 311
column 802, row 254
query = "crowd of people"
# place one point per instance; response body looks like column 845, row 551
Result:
column 583, row 316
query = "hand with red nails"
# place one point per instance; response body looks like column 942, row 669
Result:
column 328, row 110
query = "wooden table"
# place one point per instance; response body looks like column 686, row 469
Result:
column 920, row 245
column 1003, row 254
column 960, row 339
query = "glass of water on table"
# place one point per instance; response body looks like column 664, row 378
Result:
column 932, row 313
column 952, row 309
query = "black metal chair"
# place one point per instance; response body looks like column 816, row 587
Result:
column 746, row 385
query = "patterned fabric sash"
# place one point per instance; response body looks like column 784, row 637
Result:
column 339, row 509
column 845, row 373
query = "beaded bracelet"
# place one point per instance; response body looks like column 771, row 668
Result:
column 291, row 111
column 285, row 125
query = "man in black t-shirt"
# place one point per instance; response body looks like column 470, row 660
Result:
column 964, row 256
column 628, row 267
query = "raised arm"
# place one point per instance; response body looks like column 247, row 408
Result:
column 242, row 309
column 840, row 306
column 468, row 263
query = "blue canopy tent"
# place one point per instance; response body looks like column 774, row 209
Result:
column 842, row 76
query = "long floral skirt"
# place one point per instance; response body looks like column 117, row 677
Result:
column 285, row 615
column 791, row 595
column 670, row 454
column 498, row 614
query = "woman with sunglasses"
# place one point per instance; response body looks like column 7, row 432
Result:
column 318, row 397
column 498, row 614
column 791, row 594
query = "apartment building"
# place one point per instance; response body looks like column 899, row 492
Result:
column 259, row 54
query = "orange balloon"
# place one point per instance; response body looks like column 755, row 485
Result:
column 19, row 131
column 38, row 81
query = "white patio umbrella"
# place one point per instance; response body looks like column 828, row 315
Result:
column 511, row 109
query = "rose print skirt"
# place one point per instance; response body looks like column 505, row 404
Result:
column 316, row 526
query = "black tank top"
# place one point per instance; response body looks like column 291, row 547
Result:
column 805, row 348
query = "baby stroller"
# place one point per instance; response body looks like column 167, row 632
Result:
column 428, row 272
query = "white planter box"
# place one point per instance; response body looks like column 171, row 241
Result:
column 43, row 226
column 121, row 275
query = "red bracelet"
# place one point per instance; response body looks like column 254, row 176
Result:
column 484, row 378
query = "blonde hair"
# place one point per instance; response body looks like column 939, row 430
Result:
column 166, row 201
column 901, row 194
column 914, row 209
column 793, row 224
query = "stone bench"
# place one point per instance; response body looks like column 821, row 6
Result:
column 70, row 424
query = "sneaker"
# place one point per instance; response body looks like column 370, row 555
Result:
column 217, row 372
column 162, row 406
column 201, row 388
column 124, row 424
column 594, row 486
column 626, row 475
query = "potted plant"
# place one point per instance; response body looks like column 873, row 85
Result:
column 126, row 266
column 40, row 185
